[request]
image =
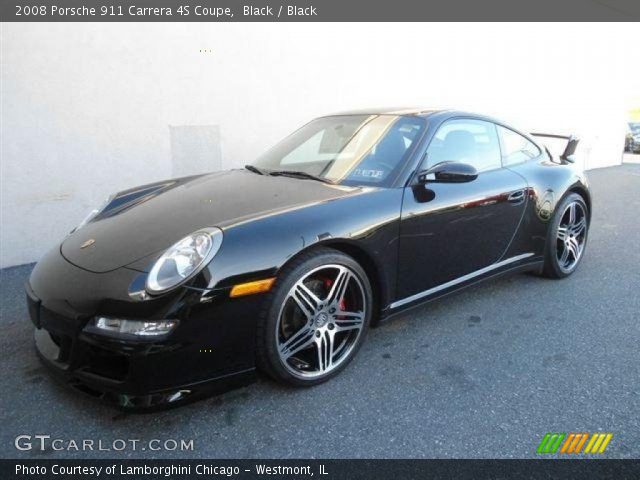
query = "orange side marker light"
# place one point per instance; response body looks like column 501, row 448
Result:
column 250, row 288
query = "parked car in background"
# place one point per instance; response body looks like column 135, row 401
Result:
column 632, row 140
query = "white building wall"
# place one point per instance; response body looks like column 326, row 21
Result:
column 89, row 109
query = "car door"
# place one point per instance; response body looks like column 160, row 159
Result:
column 451, row 230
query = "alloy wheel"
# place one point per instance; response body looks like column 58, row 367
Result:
column 320, row 321
column 571, row 236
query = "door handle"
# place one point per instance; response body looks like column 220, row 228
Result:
column 516, row 197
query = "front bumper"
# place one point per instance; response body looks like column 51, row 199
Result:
column 114, row 392
column 211, row 350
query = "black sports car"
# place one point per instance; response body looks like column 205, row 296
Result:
column 184, row 287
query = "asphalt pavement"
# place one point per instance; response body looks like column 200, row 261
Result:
column 481, row 374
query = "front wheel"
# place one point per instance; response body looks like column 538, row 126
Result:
column 315, row 319
column 567, row 237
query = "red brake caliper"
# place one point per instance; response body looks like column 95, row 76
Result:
column 342, row 304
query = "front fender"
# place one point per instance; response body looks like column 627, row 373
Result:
column 367, row 223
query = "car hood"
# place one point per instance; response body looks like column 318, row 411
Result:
column 148, row 219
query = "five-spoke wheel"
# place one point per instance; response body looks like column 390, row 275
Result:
column 321, row 320
column 319, row 315
column 567, row 237
column 571, row 235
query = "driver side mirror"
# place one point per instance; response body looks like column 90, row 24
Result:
column 448, row 172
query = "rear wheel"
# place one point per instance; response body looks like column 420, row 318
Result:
column 567, row 237
column 316, row 318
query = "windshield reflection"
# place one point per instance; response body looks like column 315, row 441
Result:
column 347, row 149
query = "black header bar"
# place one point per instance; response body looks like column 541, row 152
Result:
column 317, row 10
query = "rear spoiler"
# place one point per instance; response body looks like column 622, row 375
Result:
column 568, row 156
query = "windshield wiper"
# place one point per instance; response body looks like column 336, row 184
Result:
column 253, row 169
column 297, row 174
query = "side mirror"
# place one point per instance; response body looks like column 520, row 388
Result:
column 449, row 172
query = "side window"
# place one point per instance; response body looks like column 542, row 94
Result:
column 515, row 147
column 469, row 141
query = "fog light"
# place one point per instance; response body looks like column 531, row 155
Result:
column 140, row 328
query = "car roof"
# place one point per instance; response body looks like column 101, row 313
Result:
column 409, row 111
column 442, row 113
column 439, row 114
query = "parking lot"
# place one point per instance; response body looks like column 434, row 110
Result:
column 483, row 373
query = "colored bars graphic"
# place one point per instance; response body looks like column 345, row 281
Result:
column 574, row 442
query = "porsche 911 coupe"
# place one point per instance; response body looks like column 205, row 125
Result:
column 182, row 288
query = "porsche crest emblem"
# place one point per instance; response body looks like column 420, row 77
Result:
column 88, row 243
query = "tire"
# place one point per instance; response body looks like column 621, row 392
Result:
column 304, row 337
column 566, row 238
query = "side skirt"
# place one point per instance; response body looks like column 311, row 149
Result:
column 438, row 293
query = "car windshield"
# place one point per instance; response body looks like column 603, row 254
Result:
column 347, row 149
column 635, row 127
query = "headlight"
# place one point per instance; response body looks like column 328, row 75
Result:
column 184, row 259
column 140, row 328
column 93, row 213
